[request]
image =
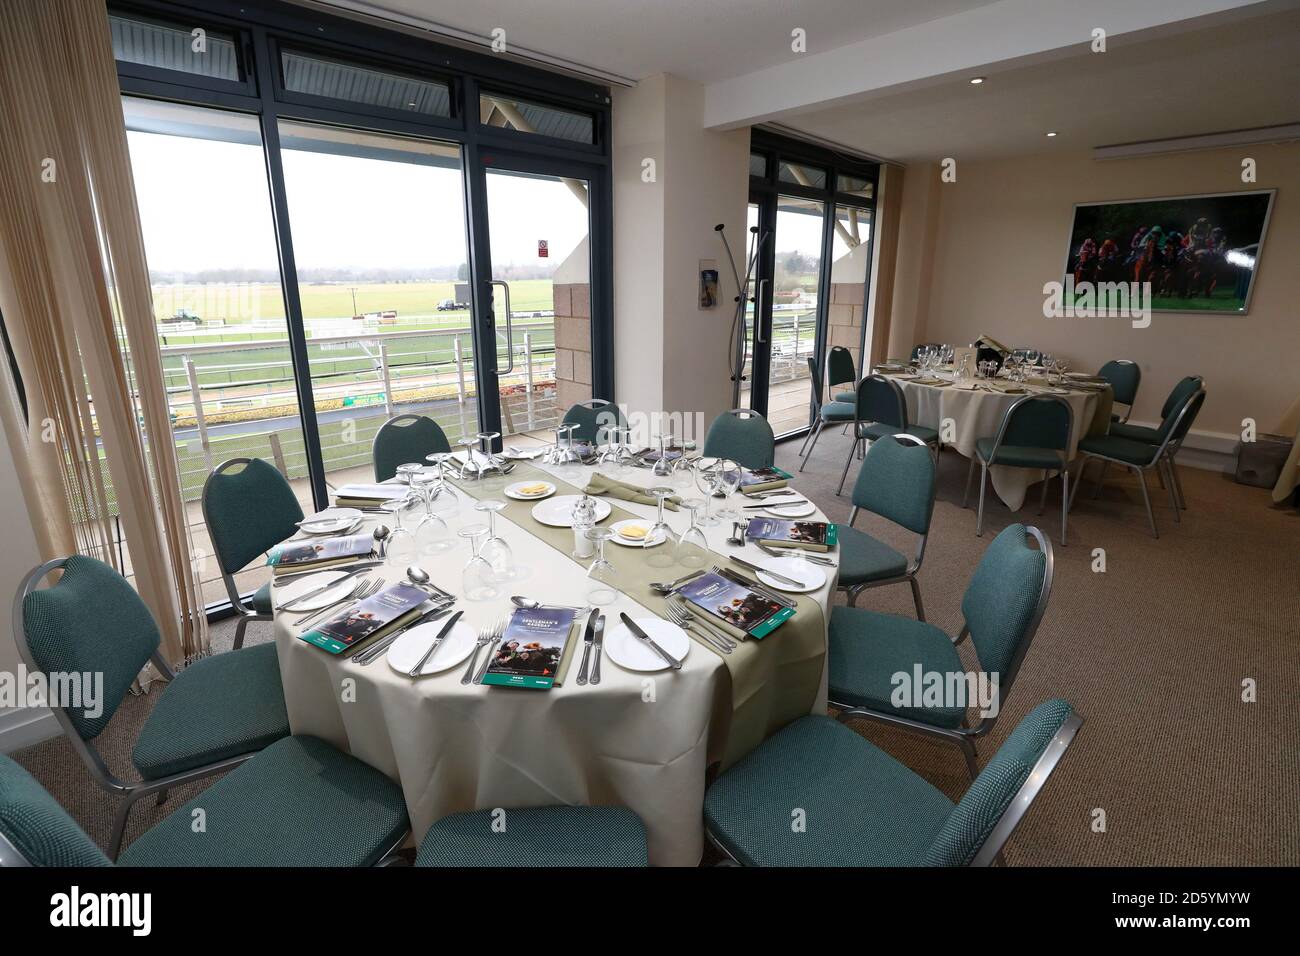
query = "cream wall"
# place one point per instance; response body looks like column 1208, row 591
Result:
column 1000, row 232
column 669, row 354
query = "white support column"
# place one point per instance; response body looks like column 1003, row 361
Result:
column 528, row 362
column 386, row 378
column 196, row 396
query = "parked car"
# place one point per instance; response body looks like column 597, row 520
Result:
column 450, row 305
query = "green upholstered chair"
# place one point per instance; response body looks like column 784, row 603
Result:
column 841, row 371
column 896, row 482
column 211, row 717
column 1154, row 436
column 864, row 808
column 299, row 802
column 824, row 413
column 248, row 507
column 1124, row 377
column 404, row 439
column 1035, row 433
column 742, row 435
column 880, row 410
column 1002, row 607
column 596, row 420
column 1138, row 456
column 537, row 836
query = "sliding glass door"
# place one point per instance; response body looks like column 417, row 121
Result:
column 540, row 294
column 380, row 246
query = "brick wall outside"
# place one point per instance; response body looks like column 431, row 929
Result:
column 572, row 344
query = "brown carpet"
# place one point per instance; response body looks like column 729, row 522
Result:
column 1152, row 653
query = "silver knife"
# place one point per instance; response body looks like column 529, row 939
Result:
column 649, row 642
column 770, row 573
column 587, row 638
column 437, row 642
column 599, row 649
column 362, row 566
column 323, row 588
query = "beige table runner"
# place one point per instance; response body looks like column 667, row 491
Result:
column 773, row 681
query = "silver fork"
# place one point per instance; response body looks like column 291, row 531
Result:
column 484, row 636
column 498, row 629
column 784, row 553
column 363, row 590
column 683, row 619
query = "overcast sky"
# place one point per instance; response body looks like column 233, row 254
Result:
column 205, row 204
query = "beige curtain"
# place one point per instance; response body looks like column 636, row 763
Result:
column 76, row 301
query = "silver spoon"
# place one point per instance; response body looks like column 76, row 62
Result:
column 418, row 576
column 528, row 604
column 737, row 538
column 670, row 586
column 381, row 538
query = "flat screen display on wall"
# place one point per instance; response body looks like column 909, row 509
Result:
column 1186, row 253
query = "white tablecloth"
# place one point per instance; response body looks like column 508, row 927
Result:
column 454, row 747
column 978, row 414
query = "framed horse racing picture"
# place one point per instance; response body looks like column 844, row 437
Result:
column 1198, row 253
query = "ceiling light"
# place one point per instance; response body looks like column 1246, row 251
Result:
column 1052, row 133
column 976, row 80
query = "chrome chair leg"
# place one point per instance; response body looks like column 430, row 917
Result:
column 1042, row 499
column 970, row 473
column 1161, row 475
column 816, row 434
column 1065, row 497
column 1178, row 484
column 848, row 461
column 1146, row 500
column 916, row 599
column 968, row 751
column 1173, row 495
column 806, row 438
column 1096, row 491
column 979, row 516
column 1078, row 480
column 239, row 630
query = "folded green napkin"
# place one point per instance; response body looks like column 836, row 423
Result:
column 613, row 488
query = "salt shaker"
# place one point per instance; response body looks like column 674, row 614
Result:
column 584, row 518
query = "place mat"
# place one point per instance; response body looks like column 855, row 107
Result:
column 773, row 681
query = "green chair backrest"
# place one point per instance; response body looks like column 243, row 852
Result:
column 90, row 621
column 248, row 509
column 1005, row 599
column 1184, row 390
column 897, row 481
column 742, row 435
column 404, row 439
column 36, row 826
column 841, row 368
column 1179, row 429
column 1124, row 377
column 1038, row 421
column 592, row 418
column 974, row 817
column 880, row 400
column 815, row 377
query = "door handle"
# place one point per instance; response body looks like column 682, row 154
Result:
column 758, row 310
column 510, row 331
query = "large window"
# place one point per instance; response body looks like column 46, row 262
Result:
column 341, row 220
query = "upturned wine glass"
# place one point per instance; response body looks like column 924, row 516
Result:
column 602, row 578
column 708, row 479
column 660, row 557
column 478, row 580
column 692, row 548
column 496, row 550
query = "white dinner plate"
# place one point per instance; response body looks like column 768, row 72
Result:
column 331, row 521
column 513, row 491
column 284, row 593
column 558, row 512
column 646, row 542
column 631, row 654
column 799, row 509
column 810, row 574
column 407, row 650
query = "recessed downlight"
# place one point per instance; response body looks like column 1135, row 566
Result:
column 1051, row 134
column 976, row 80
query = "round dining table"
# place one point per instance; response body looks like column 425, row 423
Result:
column 640, row 740
column 965, row 411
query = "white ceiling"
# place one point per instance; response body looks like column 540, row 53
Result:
column 1228, row 77
column 703, row 40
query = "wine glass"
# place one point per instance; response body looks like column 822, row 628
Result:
column 408, row 472
column 663, row 467
column 601, row 576
column 683, row 476
column 401, row 547
column 470, row 468
column 692, row 548
column 432, row 533
column 661, row 557
column 485, row 440
column 708, row 478
column 478, row 580
column 495, row 550
column 730, row 474
column 570, row 464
